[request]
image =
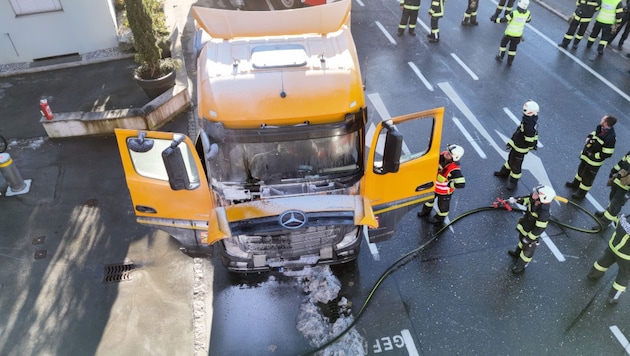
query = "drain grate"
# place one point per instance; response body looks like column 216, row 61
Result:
column 118, row 272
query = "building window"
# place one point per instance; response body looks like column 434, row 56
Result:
column 27, row 7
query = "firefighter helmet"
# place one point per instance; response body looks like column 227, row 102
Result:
column 456, row 152
column 523, row 4
column 545, row 193
column 530, row 108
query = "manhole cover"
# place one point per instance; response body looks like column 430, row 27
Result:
column 39, row 240
column 91, row 202
column 40, row 254
column 118, row 272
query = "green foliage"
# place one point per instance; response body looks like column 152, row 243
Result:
column 147, row 23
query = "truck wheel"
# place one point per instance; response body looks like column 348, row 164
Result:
column 286, row 4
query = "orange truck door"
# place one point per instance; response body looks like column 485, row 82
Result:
column 394, row 194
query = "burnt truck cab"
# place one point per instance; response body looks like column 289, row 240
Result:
column 285, row 171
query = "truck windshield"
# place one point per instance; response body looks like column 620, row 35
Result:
column 274, row 162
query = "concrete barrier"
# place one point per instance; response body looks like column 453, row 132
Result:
column 150, row 117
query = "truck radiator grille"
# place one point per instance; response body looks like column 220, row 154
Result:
column 293, row 244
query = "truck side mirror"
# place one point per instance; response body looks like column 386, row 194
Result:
column 392, row 151
column 175, row 166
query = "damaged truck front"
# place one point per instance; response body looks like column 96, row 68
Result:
column 281, row 174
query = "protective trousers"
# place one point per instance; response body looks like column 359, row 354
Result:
column 603, row 41
column 408, row 17
column 525, row 253
column 513, row 41
column 585, row 177
column 623, row 274
column 618, row 198
column 502, row 6
column 443, row 205
column 580, row 24
column 470, row 16
column 513, row 166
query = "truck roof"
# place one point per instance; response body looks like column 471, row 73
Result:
column 278, row 67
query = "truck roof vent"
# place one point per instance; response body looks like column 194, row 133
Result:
column 278, row 56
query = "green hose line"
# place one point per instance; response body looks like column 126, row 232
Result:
column 409, row 256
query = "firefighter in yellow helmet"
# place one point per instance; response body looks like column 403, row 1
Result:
column 516, row 21
column 448, row 179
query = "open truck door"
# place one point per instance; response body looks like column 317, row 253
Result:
column 168, row 187
column 401, row 170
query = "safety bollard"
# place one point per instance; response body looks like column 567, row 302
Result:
column 17, row 185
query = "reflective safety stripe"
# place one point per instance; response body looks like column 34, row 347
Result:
column 517, row 24
column 616, row 248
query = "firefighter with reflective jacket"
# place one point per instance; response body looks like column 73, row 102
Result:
column 524, row 139
column 599, row 145
column 619, row 191
column 409, row 16
column 448, row 179
column 435, row 12
column 582, row 16
column 531, row 225
column 608, row 18
column 617, row 251
column 516, row 21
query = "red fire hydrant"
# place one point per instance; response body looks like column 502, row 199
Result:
column 45, row 109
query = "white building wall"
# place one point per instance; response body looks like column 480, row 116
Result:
column 82, row 26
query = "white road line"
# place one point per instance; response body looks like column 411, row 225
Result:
column 426, row 28
column 419, row 74
column 411, row 347
column 385, row 32
column 471, row 141
column 379, row 106
column 360, row 2
column 468, row 70
column 581, row 64
column 621, row 338
column 552, row 247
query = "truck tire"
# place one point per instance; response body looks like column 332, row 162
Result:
column 286, row 4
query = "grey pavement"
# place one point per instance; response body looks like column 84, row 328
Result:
column 57, row 240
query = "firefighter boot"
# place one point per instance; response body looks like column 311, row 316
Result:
column 600, row 49
column 412, row 31
column 613, row 296
column 510, row 60
column 424, row 212
column 516, row 253
column 564, row 43
column 494, row 17
column 594, row 274
column 579, row 194
column 573, row 185
column 576, row 41
column 519, row 266
column 433, row 37
column 437, row 220
column 400, row 31
column 473, row 20
column 589, row 43
column 511, row 185
column 503, row 172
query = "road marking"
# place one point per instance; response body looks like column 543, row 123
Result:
column 471, row 141
column 376, row 100
column 552, row 247
column 411, row 347
column 360, row 2
column 621, row 338
column 468, row 70
column 424, row 80
column 389, row 37
column 426, row 28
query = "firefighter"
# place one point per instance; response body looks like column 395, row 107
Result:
column 435, row 13
column 409, row 16
column 619, row 183
column 448, row 179
column 623, row 24
column 599, row 145
column 531, row 225
column 514, row 31
column 607, row 20
column 500, row 7
column 617, row 251
column 579, row 21
column 523, row 140
column 470, row 16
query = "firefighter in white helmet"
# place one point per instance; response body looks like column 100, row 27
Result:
column 531, row 225
column 448, row 179
column 523, row 140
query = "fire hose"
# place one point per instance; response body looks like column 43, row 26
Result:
column 498, row 205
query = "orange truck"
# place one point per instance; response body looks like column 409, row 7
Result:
column 285, row 172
